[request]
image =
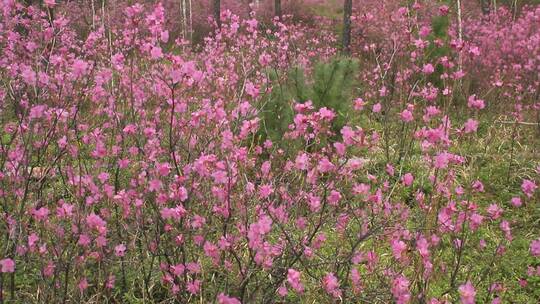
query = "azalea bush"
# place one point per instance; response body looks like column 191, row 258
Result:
column 261, row 166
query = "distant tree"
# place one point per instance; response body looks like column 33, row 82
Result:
column 277, row 5
column 347, row 13
column 485, row 6
column 217, row 12
column 187, row 19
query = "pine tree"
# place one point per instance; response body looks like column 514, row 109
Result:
column 330, row 85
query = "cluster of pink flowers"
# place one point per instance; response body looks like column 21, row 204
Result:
column 131, row 162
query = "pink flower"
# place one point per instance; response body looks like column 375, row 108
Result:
column 7, row 265
column 467, row 293
column 302, row 161
column 32, row 239
column 406, row 116
column 400, row 290
column 223, row 299
column 476, row 221
column 535, row 247
column 355, row 278
column 252, row 90
column 79, row 67
column 428, row 69
column 359, row 104
column 348, row 135
column 178, row 270
column 377, row 107
column 193, row 267
column 494, row 211
column 528, row 187
column 331, row 285
column 211, row 250
column 325, row 165
column 516, row 202
column 258, row 230
column 314, row 202
column 110, row 281
column 474, row 50
column 265, row 191
column 83, row 285
column 475, row 103
column 340, row 148
column 470, row 126
column 334, row 198
column 41, row 214
column 163, row 169
column 390, row 169
column 96, row 222
column 442, row 160
column 478, row 186
column 154, row 185
column 282, row 291
column 164, row 36
column 101, row 241
column 443, row 10
column 173, row 213
column 407, row 179
column 265, row 59
column 37, row 111
column 361, row 189
column 424, row 31
column 293, row 278
column 327, row 114
column 28, row 75
column 156, row 52
column 220, row 177
column 398, row 247
column 48, row 270
column 103, row 177
column 423, row 247
column 84, row 240
column 194, row 287
column 120, row 250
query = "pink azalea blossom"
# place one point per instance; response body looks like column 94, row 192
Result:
column 7, row 265
column 120, row 250
column 377, row 108
column 406, row 116
column 470, row 126
column 467, row 293
column 224, row 299
column 293, row 278
column 428, row 69
column 528, row 187
column 331, row 285
column 535, row 247
column 407, row 179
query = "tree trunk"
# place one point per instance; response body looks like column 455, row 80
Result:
column 347, row 13
column 183, row 7
column 217, row 12
column 190, row 24
column 485, row 6
column 277, row 4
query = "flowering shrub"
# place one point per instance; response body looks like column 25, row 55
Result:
column 132, row 170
